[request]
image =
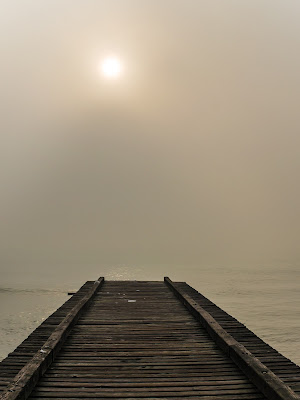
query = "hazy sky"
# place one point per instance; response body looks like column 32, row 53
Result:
column 193, row 155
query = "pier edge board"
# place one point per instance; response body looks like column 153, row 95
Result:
column 265, row 380
column 24, row 382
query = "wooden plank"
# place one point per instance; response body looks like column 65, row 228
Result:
column 136, row 340
column 120, row 349
column 160, row 396
column 243, row 335
column 28, row 376
column 266, row 381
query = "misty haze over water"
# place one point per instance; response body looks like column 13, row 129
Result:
column 187, row 166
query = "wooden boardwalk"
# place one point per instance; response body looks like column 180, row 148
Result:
column 145, row 340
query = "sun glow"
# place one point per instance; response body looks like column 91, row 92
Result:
column 111, row 67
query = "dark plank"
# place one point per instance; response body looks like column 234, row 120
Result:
column 26, row 379
column 269, row 384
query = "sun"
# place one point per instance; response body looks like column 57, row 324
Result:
column 111, row 67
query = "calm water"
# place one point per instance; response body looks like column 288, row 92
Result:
column 265, row 298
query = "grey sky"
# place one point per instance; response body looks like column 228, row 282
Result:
column 192, row 156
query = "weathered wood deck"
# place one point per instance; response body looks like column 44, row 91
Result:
column 145, row 340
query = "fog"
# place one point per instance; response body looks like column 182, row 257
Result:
column 191, row 156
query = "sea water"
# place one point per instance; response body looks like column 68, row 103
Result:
column 265, row 297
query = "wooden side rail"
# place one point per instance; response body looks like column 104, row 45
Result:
column 24, row 382
column 262, row 377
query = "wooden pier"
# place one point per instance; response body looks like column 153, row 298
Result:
column 145, row 340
